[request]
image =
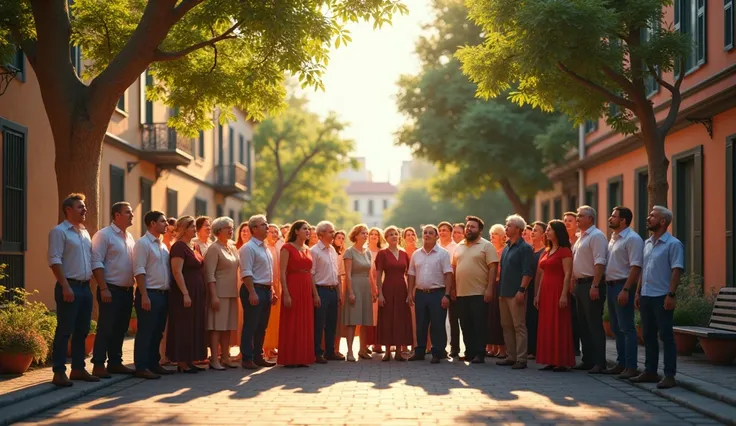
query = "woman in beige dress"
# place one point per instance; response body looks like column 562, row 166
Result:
column 221, row 275
column 360, row 290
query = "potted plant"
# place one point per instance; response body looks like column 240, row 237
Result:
column 133, row 324
column 693, row 310
column 89, row 341
column 607, row 321
column 18, row 312
column 18, row 348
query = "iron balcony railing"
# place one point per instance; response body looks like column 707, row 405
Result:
column 161, row 137
column 232, row 175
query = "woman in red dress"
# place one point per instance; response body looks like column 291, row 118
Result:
column 394, row 315
column 409, row 239
column 298, row 299
column 554, row 335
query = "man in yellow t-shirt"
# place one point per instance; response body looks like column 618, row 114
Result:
column 475, row 263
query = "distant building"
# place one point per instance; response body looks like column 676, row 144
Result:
column 416, row 168
column 361, row 174
column 370, row 199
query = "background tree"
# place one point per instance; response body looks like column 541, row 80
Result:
column 299, row 156
column 480, row 145
column 202, row 54
column 417, row 204
column 580, row 57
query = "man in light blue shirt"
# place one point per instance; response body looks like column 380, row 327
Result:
column 656, row 299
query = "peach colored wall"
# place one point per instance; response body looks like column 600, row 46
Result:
column 714, row 170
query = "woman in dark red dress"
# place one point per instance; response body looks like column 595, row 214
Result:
column 554, row 335
column 298, row 299
column 394, row 314
column 186, row 339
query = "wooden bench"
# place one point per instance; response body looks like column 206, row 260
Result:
column 718, row 340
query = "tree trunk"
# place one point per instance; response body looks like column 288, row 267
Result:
column 658, row 186
column 521, row 207
column 275, row 198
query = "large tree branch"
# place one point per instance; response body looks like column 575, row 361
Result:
column 597, row 88
column 620, row 79
column 183, row 8
column 301, row 165
column 668, row 122
column 162, row 56
column 521, row 206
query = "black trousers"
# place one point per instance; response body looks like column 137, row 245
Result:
column 590, row 323
column 473, row 313
column 454, row 327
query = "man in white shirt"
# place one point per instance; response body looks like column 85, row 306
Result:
column 588, row 268
column 625, row 254
column 256, row 293
column 326, row 276
column 152, row 276
column 70, row 259
column 430, row 286
column 112, row 267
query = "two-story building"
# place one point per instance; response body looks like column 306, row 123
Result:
column 611, row 169
column 144, row 162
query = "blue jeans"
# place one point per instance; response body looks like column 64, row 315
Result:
column 656, row 319
column 623, row 326
column 112, row 325
column 255, row 321
column 72, row 320
column 430, row 315
column 151, row 325
column 325, row 320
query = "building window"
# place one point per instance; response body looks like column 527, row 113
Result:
column 241, row 149
column 687, row 176
column 146, row 200
column 572, row 203
column 591, row 126
column 545, row 211
column 220, row 145
column 641, row 201
column 728, row 24
column 248, row 167
column 557, row 208
column 18, row 64
column 730, row 212
column 200, row 207
column 75, row 53
column 615, row 195
column 172, row 203
column 14, row 188
column 231, row 144
column 241, row 218
column 219, row 211
column 690, row 19
column 613, row 110
column 591, row 196
column 117, row 185
column 356, row 205
column 121, row 102
column 370, row 207
column 650, row 83
column 231, row 214
column 201, row 144
column 385, row 204
column 149, row 104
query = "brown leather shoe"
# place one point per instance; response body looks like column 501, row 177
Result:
column 628, row 373
column 119, row 369
column 518, row 365
column 480, row 359
column 263, row 363
column 417, row 357
column 146, row 374
column 582, row 367
column 101, row 372
column 61, row 380
column 667, row 383
column 249, row 365
column 614, row 370
column 596, row 370
column 320, row 360
column 645, row 378
column 162, row 371
column 506, row 363
column 83, row 375
column 337, row 357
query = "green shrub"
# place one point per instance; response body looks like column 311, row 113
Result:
column 606, row 314
column 23, row 341
column 93, row 327
column 17, row 312
column 133, row 315
column 693, row 306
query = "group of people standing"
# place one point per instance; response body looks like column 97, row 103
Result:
column 293, row 291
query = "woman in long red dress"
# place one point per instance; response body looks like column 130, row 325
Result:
column 554, row 335
column 394, row 315
column 298, row 299
column 409, row 242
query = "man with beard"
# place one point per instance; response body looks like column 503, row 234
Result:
column 664, row 259
column 474, row 263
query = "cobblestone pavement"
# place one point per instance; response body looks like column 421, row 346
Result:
column 374, row 392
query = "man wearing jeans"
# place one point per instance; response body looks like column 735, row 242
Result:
column 656, row 297
column 256, row 293
column 326, row 276
column 70, row 259
column 625, row 251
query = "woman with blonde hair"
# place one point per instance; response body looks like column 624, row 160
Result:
column 202, row 241
column 271, row 341
column 376, row 242
column 495, row 344
column 187, row 335
column 359, row 290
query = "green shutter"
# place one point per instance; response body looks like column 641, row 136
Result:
column 698, row 245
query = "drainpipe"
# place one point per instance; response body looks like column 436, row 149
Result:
column 581, row 172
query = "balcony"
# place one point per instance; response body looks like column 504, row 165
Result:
column 231, row 178
column 163, row 147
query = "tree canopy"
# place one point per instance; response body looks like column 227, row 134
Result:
column 299, row 156
column 581, row 57
column 479, row 144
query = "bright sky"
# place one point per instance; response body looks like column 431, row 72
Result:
column 360, row 85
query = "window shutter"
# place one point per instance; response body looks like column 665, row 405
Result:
column 14, row 188
column 698, row 211
column 146, row 200
column 172, row 203
column 117, row 185
column 678, row 27
column 728, row 25
column 730, row 249
column 701, row 34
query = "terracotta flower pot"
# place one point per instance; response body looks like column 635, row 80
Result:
column 89, row 345
column 133, row 326
column 607, row 328
column 720, row 352
column 685, row 343
column 11, row 363
column 639, row 335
